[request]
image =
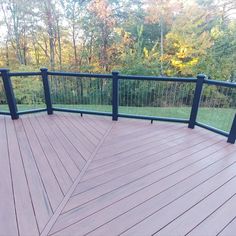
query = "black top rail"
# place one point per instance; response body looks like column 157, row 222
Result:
column 129, row 77
column 158, row 78
column 89, row 75
column 21, row 74
column 220, row 83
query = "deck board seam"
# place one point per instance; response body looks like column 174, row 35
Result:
column 143, row 151
column 72, row 129
column 122, row 140
column 59, row 140
column 53, row 148
column 58, row 211
column 148, row 156
column 152, row 197
column 95, row 133
column 36, row 164
column 150, row 165
column 46, row 156
column 90, row 122
column 27, row 136
column 119, row 176
column 86, row 126
column 70, row 141
column 170, row 201
column 137, row 142
column 163, row 138
column 133, row 133
column 73, row 120
column 145, row 185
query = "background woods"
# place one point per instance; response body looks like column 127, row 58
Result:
column 170, row 37
column 146, row 37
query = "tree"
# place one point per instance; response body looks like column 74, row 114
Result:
column 16, row 19
column 188, row 41
column 163, row 12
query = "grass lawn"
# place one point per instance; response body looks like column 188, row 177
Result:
column 220, row 118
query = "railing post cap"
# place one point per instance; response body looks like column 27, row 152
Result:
column 201, row 76
column 4, row 69
column 115, row 72
column 44, row 69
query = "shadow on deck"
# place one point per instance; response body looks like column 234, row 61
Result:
column 69, row 175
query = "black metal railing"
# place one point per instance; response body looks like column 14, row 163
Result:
column 174, row 99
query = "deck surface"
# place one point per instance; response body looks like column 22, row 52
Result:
column 69, row 175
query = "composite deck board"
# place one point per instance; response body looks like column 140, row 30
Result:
column 223, row 186
column 51, row 184
column 66, row 144
column 134, row 166
column 22, row 194
column 60, row 171
column 208, row 225
column 42, row 206
column 63, row 156
column 115, row 196
column 77, row 124
column 70, row 134
column 135, row 144
column 8, row 221
column 138, row 152
column 70, row 175
column 128, row 191
column 156, row 195
column 80, row 136
column 152, row 147
column 96, row 125
column 168, row 137
column 127, row 140
column 131, row 177
column 229, row 230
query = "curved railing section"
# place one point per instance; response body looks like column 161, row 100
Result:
column 196, row 101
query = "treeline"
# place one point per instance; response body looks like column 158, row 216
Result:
column 151, row 37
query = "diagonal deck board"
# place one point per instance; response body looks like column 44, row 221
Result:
column 63, row 177
column 70, row 175
column 129, row 198
column 54, row 191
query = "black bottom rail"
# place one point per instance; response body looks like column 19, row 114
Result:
column 231, row 135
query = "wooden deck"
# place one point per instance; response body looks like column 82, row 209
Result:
column 70, row 175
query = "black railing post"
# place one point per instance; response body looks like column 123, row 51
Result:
column 196, row 100
column 232, row 133
column 115, row 95
column 46, row 89
column 10, row 96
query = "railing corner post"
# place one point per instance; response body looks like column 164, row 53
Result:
column 10, row 96
column 46, row 88
column 115, row 95
column 232, row 133
column 196, row 100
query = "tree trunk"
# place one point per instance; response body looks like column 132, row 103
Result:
column 162, row 43
column 59, row 43
column 7, row 54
